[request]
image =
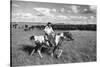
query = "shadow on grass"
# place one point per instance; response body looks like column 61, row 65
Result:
column 29, row 48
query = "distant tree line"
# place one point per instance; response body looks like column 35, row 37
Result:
column 75, row 27
column 91, row 27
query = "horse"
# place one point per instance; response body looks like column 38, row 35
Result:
column 59, row 38
column 40, row 41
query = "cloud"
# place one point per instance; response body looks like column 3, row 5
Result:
column 93, row 7
column 62, row 10
column 27, row 15
column 54, row 10
column 85, row 9
column 48, row 12
column 74, row 8
column 15, row 5
column 62, row 17
column 41, row 15
column 90, row 10
column 22, row 15
column 45, row 11
column 52, row 15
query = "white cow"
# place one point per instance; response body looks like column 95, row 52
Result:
column 39, row 41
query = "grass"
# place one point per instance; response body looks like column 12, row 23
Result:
column 82, row 49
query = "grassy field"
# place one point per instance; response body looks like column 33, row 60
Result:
column 82, row 49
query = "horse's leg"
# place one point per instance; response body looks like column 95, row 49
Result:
column 60, row 53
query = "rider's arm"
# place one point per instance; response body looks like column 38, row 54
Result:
column 52, row 30
column 45, row 29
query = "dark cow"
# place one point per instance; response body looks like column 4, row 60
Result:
column 68, row 36
column 15, row 26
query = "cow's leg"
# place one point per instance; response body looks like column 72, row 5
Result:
column 52, row 54
column 32, row 51
column 53, row 51
column 39, row 50
column 35, row 49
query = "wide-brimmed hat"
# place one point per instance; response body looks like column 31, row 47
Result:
column 49, row 23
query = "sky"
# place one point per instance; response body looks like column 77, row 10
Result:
column 27, row 11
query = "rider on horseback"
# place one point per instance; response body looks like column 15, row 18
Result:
column 49, row 32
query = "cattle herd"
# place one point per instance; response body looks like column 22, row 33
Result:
column 25, row 27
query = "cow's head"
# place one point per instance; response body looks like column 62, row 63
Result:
column 32, row 38
column 68, row 36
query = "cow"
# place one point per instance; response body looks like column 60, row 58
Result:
column 15, row 26
column 68, row 35
column 40, row 41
